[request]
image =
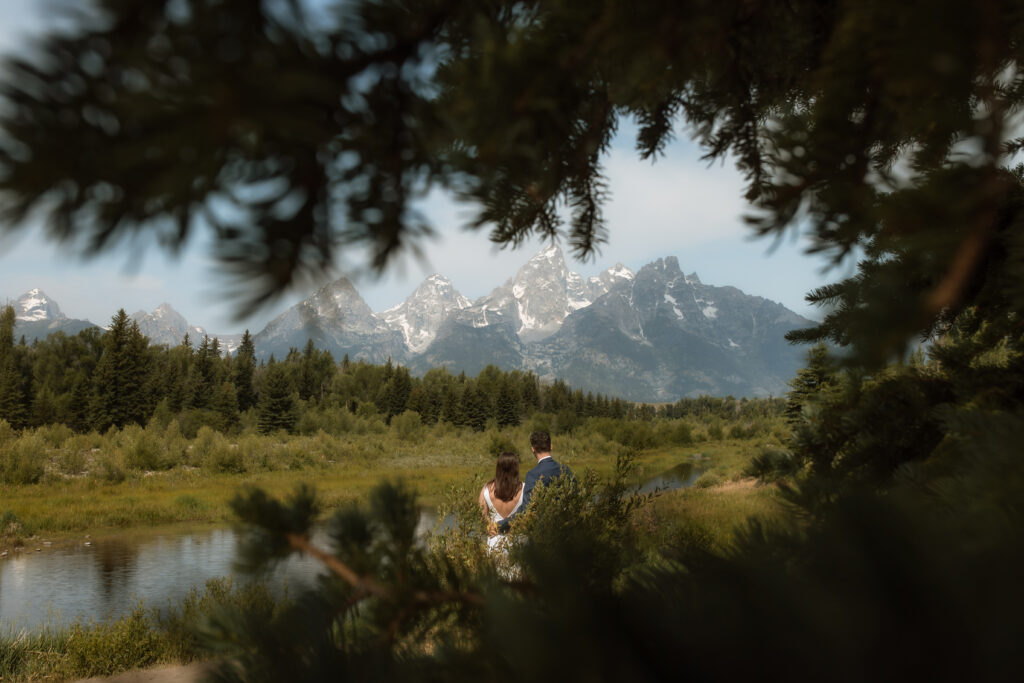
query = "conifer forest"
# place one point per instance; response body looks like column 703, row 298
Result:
column 891, row 534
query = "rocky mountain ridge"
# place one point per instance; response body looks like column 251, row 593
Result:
column 653, row 335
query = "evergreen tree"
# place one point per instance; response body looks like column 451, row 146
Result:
column 474, row 410
column 452, row 408
column 507, row 404
column 397, row 391
column 12, row 395
column 243, row 368
column 276, row 409
column 809, row 381
column 118, row 396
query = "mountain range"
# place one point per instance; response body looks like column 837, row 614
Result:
column 651, row 335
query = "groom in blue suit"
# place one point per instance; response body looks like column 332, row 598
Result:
column 546, row 471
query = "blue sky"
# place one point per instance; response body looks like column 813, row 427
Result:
column 678, row 206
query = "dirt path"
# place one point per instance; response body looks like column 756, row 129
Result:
column 172, row 673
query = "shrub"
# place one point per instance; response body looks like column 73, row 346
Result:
column 707, row 480
column 7, row 433
column 564, row 422
column 227, row 459
column 143, row 449
column 542, row 422
column 54, row 435
column 70, row 460
column 21, row 461
column 407, row 426
column 715, row 431
column 499, row 443
column 175, row 443
column 212, row 452
column 11, row 528
column 109, row 469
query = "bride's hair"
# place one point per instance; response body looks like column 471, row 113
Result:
column 506, row 477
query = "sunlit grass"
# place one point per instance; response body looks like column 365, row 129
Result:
column 91, row 485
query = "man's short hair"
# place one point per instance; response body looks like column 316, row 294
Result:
column 541, row 442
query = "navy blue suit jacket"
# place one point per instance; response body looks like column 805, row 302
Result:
column 545, row 471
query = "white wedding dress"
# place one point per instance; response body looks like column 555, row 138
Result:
column 497, row 544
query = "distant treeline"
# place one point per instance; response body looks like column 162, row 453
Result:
column 99, row 379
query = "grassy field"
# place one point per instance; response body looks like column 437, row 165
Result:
column 140, row 479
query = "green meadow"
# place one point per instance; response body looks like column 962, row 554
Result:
column 136, row 478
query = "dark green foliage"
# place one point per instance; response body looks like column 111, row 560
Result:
column 119, row 395
column 507, row 405
column 243, row 368
column 12, row 393
column 276, row 409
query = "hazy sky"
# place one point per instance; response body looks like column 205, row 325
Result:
column 677, row 206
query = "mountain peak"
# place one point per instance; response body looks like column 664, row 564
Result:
column 421, row 315
column 35, row 305
column 550, row 252
column 166, row 326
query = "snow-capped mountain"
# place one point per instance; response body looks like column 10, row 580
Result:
column 34, row 306
column 166, row 326
column 669, row 335
column 541, row 295
column 338, row 320
column 421, row 315
column 36, row 316
column 653, row 335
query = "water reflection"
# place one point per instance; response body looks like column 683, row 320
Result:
column 681, row 476
column 111, row 576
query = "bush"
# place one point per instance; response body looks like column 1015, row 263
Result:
column 213, row 453
column 21, row 461
column 564, row 422
column 11, row 528
column 542, row 422
column 54, row 435
column 109, row 469
column 143, row 449
column 499, row 443
column 407, row 426
column 707, row 480
column 71, row 460
column 7, row 433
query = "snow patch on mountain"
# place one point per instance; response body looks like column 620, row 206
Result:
column 34, row 305
column 421, row 315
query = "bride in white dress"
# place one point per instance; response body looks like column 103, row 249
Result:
column 501, row 497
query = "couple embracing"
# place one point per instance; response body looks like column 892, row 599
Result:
column 505, row 496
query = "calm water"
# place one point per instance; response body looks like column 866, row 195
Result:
column 108, row 578
column 62, row 584
column 681, row 476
